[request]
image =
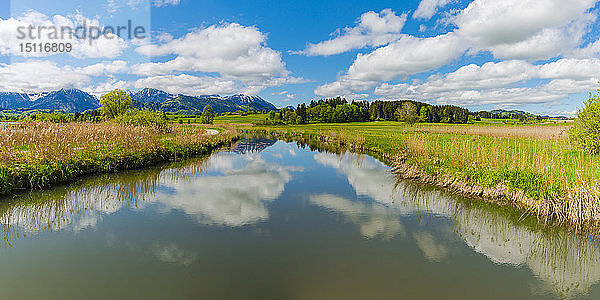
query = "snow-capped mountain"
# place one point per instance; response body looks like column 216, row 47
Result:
column 12, row 100
column 242, row 99
column 152, row 95
column 35, row 96
column 68, row 100
column 74, row 100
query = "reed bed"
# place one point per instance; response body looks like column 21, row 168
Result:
column 533, row 167
column 39, row 154
column 537, row 132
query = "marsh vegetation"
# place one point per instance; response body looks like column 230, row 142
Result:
column 36, row 155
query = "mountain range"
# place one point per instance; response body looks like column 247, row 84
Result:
column 74, row 100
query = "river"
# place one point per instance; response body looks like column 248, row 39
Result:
column 273, row 220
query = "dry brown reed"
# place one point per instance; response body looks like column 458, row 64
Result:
column 555, row 133
column 36, row 141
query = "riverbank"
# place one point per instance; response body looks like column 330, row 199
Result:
column 38, row 155
column 531, row 167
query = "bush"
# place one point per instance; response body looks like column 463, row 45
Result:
column 143, row 118
column 585, row 131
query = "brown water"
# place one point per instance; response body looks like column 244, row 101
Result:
column 273, row 221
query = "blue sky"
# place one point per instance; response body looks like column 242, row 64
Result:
column 540, row 56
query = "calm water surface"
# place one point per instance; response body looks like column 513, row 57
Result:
column 270, row 220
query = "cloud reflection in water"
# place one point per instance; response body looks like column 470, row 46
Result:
column 232, row 191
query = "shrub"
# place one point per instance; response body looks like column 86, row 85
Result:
column 585, row 131
column 144, row 117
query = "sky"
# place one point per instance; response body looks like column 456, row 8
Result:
column 538, row 56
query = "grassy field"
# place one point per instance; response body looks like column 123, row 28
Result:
column 40, row 154
column 229, row 119
column 237, row 119
column 532, row 166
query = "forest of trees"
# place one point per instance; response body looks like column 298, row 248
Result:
column 420, row 112
column 335, row 110
column 338, row 110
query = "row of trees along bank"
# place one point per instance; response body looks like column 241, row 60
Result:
column 338, row 110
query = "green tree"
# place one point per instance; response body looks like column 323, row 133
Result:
column 301, row 112
column 272, row 115
column 115, row 104
column 585, row 131
column 407, row 113
column 424, row 114
column 207, row 116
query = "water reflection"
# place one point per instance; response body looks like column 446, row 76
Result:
column 229, row 188
column 255, row 145
column 171, row 253
column 233, row 189
column 569, row 264
column 373, row 219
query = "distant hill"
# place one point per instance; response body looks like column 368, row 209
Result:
column 74, row 100
column 253, row 102
column 507, row 114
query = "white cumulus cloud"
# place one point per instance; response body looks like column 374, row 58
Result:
column 35, row 27
column 37, row 76
column 373, row 30
column 502, row 83
column 525, row 29
column 188, row 84
column 406, row 56
column 162, row 3
column 428, row 8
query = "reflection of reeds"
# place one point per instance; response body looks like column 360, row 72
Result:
column 185, row 170
column 54, row 209
column 567, row 263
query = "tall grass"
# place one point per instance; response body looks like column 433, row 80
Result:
column 39, row 154
column 537, row 132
